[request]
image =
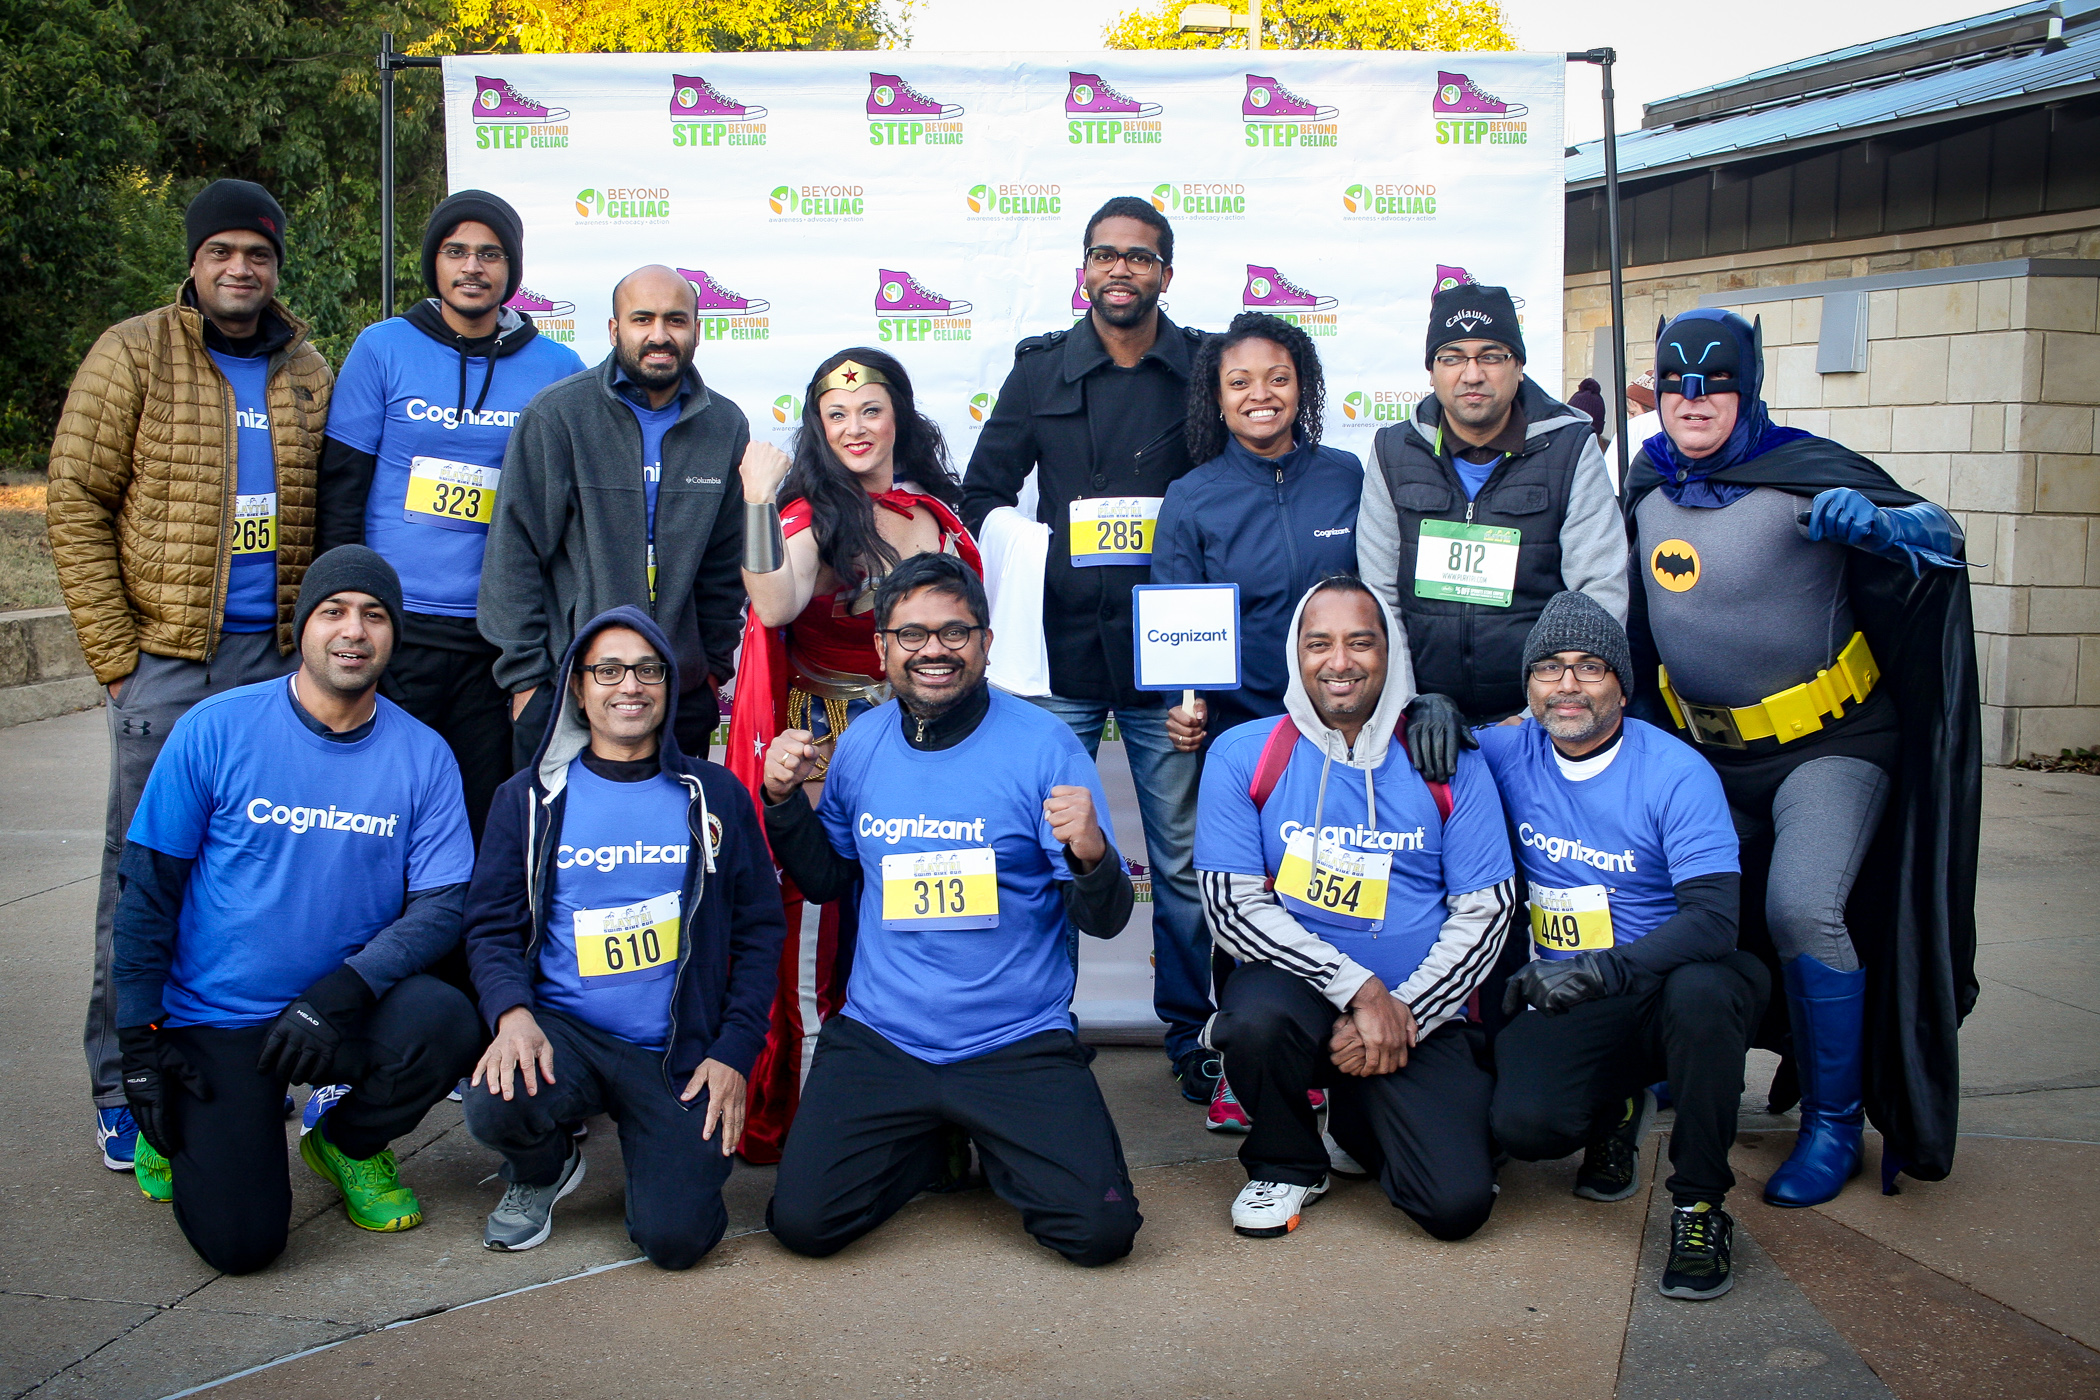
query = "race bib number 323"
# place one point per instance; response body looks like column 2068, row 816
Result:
column 634, row 943
column 1565, row 922
column 941, row 889
column 451, row 495
column 1341, row 884
column 1460, row 563
column 1113, row 530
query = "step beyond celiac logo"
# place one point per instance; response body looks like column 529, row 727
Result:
column 1013, row 201
column 551, row 316
column 1268, row 290
column 1276, row 116
column 822, row 202
column 644, row 204
column 901, row 115
column 724, row 314
column 1201, row 200
column 981, row 406
column 1466, row 115
column 787, row 413
column 908, row 309
column 1395, row 201
column 1097, row 114
column 703, row 115
column 506, row 119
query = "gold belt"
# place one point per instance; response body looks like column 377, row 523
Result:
column 1787, row 716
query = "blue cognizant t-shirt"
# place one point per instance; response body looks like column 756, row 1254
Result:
column 251, row 584
column 615, row 928
column 935, row 971
column 305, row 847
column 1415, row 854
column 1620, row 841
column 439, row 462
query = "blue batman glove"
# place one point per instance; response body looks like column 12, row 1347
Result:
column 1914, row 535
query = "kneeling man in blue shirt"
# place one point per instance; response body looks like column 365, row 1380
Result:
column 1630, row 856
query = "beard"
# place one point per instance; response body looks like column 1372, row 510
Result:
column 649, row 378
column 1130, row 315
column 1335, row 714
column 1577, row 729
column 928, row 705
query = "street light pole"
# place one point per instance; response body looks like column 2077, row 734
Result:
column 1604, row 59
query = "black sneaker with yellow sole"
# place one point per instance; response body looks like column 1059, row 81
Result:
column 1700, row 1238
column 1611, row 1167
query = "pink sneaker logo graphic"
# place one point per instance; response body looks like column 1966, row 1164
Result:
column 1267, row 288
column 497, row 101
column 1081, row 302
column 713, row 296
column 1459, row 96
column 890, row 96
column 897, row 292
column 1090, row 97
column 1270, row 101
column 1448, row 277
column 528, row 300
column 694, row 98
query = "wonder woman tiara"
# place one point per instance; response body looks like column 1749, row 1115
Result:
column 851, row 374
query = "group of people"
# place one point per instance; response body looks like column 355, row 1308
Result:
column 1544, row 797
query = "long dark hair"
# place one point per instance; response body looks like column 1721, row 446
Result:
column 839, row 509
column 1206, row 430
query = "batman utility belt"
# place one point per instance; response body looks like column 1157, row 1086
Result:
column 1791, row 714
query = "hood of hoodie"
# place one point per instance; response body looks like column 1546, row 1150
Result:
column 514, row 331
column 569, row 732
column 1377, row 734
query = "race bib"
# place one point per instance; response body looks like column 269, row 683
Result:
column 1337, row 883
column 451, row 495
column 1460, row 563
column 635, row 943
column 652, row 571
column 1570, row 921
column 941, row 889
column 1113, row 530
column 255, row 524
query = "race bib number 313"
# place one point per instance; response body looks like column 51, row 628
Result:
column 941, row 889
column 1341, row 884
column 451, row 495
column 1461, row 563
column 634, row 943
column 1113, row 530
column 1565, row 922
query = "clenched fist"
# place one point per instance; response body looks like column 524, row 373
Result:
column 1070, row 812
column 790, row 762
column 763, row 469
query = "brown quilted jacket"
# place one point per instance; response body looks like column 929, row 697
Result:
column 142, row 486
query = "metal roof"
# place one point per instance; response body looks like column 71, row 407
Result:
column 1994, row 84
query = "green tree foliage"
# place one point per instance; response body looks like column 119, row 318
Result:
column 1439, row 25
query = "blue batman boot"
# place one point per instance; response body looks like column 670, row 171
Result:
column 1826, row 1007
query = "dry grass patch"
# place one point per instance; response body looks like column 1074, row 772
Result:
column 28, row 578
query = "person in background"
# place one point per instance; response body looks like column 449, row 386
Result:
column 1589, row 398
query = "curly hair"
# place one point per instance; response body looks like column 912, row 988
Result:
column 839, row 509
column 1206, row 419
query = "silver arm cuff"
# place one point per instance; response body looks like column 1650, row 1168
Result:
column 765, row 546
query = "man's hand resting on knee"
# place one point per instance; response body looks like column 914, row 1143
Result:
column 520, row 1045
column 725, row 1101
column 1374, row 1035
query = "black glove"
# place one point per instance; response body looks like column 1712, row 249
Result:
column 149, row 1063
column 1555, row 985
column 301, row 1046
column 1436, row 732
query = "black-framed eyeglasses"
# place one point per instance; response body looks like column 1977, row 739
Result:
column 612, row 672
column 1139, row 259
column 1487, row 359
column 954, row 635
column 460, row 252
column 1551, row 670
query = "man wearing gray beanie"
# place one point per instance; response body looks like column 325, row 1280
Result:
column 1634, row 977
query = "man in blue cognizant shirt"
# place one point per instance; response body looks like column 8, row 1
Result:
column 413, row 459
column 1364, row 908
column 1630, row 857
column 976, row 826
column 624, row 929
column 299, row 857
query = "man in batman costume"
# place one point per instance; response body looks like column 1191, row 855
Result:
column 1808, row 621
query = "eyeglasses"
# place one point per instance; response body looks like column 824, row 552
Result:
column 1139, row 259
column 612, row 672
column 954, row 635
column 460, row 252
column 1487, row 359
column 1590, row 671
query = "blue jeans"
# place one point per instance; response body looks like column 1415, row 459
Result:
column 1166, row 791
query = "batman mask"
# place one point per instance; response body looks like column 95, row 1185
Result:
column 1711, row 351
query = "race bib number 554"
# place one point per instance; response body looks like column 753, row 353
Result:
column 941, row 889
column 1341, row 884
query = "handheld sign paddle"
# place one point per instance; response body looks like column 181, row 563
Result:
column 1187, row 637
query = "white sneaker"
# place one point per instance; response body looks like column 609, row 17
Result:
column 1339, row 1159
column 1266, row 1209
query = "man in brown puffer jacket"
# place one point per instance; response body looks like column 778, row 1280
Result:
column 181, row 515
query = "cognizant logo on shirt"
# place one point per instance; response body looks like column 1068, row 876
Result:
column 1362, row 838
column 263, row 812
column 1569, row 848
column 608, row 857
column 423, row 411
column 895, row 829
column 251, row 418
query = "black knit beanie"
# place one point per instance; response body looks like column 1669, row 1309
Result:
column 1577, row 622
column 348, row 568
column 1470, row 311
column 481, row 207
column 225, row 204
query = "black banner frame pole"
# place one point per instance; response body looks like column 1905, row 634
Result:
column 1604, row 59
column 390, row 62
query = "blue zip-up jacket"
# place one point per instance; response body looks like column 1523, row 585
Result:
column 731, row 921
column 1275, row 528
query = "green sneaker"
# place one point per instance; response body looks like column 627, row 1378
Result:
column 373, row 1196
column 155, row 1177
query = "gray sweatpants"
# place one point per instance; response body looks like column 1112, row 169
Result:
column 153, row 697
column 1824, row 817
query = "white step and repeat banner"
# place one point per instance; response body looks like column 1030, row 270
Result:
column 934, row 206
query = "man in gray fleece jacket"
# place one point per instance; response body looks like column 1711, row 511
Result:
column 613, row 491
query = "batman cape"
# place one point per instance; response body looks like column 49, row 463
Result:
column 1912, row 915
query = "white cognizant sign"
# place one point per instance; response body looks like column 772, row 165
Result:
column 1187, row 635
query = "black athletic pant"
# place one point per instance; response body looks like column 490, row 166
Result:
column 1423, row 1129
column 867, row 1138
column 454, row 692
column 674, row 1176
column 1561, row 1080
column 233, row 1190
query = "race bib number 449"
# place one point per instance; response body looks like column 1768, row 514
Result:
column 634, row 943
column 451, row 495
column 1461, row 563
column 941, row 889
column 1113, row 530
column 1342, row 884
column 1577, row 920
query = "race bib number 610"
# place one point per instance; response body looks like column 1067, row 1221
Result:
column 634, row 943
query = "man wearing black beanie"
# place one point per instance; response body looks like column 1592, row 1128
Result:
column 423, row 413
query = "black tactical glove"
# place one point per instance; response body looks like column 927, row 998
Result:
column 1436, row 732
column 1555, row 985
column 149, row 1063
column 303, row 1041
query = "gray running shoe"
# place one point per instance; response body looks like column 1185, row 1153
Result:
column 525, row 1215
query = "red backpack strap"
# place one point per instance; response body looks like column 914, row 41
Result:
column 1441, row 792
column 1275, row 757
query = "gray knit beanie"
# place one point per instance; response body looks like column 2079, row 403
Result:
column 1576, row 622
